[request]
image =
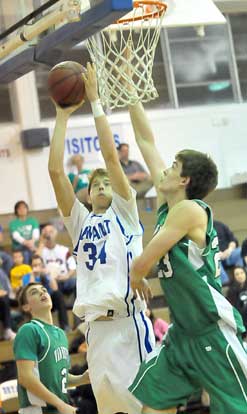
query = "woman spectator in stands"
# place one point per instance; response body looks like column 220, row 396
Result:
column 237, row 293
column 24, row 231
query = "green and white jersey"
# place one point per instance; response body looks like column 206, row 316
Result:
column 47, row 346
column 190, row 279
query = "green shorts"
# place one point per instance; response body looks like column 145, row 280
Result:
column 215, row 361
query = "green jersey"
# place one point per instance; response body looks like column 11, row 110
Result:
column 47, row 346
column 190, row 279
column 24, row 227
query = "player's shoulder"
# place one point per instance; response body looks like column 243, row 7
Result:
column 188, row 210
column 28, row 328
column 190, row 205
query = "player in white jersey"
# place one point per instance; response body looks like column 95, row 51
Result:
column 105, row 241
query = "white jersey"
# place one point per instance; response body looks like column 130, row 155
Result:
column 105, row 245
column 60, row 256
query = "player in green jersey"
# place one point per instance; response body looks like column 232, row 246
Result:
column 42, row 358
column 203, row 348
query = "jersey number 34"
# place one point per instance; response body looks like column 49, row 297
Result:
column 94, row 255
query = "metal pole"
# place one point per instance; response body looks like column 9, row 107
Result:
column 236, row 87
column 166, row 53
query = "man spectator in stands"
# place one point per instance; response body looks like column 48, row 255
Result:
column 40, row 275
column 138, row 177
column 230, row 253
column 57, row 259
column 5, row 291
column 6, row 261
column 79, row 179
column 24, row 231
column 20, row 273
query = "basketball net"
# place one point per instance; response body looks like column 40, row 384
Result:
column 124, row 54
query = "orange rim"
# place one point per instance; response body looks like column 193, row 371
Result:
column 161, row 8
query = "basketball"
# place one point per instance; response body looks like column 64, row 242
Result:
column 65, row 83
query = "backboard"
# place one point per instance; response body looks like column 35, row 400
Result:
column 181, row 13
column 47, row 29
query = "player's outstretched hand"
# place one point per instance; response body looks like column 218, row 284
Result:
column 141, row 288
column 68, row 110
column 90, row 80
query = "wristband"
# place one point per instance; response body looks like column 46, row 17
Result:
column 97, row 108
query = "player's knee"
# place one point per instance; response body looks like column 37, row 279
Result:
column 148, row 410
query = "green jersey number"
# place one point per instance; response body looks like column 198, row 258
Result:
column 64, row 380
column 167, row 268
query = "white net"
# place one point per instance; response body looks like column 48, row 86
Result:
column 124, row 53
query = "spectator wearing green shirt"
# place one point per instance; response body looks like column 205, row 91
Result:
column 79, row 179
column 24, row 231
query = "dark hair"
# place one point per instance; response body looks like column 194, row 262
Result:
column 37, row 257
column 22, row 295
column 123, row 144
column 239, row 267
column 18, row 204
column 18, row 251
column 99, row 172
column 202, row 171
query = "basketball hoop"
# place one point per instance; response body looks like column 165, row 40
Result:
column 124, row 53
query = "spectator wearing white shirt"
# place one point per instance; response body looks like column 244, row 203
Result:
column 57, row 259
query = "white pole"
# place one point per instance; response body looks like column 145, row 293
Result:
column 67, row 11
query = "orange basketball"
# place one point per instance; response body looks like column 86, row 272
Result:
column 65, row 83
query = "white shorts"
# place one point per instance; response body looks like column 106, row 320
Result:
column 116, row 349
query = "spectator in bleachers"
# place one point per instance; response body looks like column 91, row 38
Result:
column 6, row 261
column 237, row 293
column 5, row 291
column 160, row 326
column 230, row 252
column 24, row 231
column 20, row 273
column 139, row 179
column 40, row 275
column 57, row 259
column 79, row 179
column 244, row 253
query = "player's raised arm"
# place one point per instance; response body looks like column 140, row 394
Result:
column 119, row 181
column 63, row 189
column 146, row 142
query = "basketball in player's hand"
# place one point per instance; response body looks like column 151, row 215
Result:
column 65, row 83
